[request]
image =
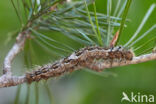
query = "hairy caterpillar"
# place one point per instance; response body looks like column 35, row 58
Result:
column 88, row 57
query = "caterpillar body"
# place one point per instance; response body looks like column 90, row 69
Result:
column 89, row 57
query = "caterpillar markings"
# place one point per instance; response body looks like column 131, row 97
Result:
column 88, row 57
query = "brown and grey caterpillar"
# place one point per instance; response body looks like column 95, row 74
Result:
column 89, row 57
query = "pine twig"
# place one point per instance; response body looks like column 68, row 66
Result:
column 6, row 81
column 17, row 47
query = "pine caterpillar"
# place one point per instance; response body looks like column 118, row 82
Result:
column 88, row 57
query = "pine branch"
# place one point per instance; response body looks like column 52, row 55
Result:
column 17, row 47
column 8, row 80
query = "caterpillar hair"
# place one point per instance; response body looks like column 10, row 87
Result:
column 89, row 57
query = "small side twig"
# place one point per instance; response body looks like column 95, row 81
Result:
column 7, row 79
column 17, row 47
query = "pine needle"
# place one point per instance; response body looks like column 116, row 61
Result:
column 97, row 24
column 150, row 10
column 143, row 35
column 108, row 21
column 17, row 95
column 153, row 38
column 16, row 10
column 124, row 19
column 49, row 93
column 116, row 8
column 91, row 22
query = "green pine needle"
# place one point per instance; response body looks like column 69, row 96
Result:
column 124, row 16
column 97, row 24
column 124, row 19
column 92, row 24
column 109, row 5
column 150, row 10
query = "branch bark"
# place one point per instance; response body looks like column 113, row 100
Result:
column 6, row 81
column 17, row 47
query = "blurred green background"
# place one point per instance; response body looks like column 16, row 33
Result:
column 82, row 87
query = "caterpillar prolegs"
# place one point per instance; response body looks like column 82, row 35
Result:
column 89, row 57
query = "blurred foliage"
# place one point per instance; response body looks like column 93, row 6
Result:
column 80, row 87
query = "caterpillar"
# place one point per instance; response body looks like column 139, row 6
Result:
column 88, row 57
